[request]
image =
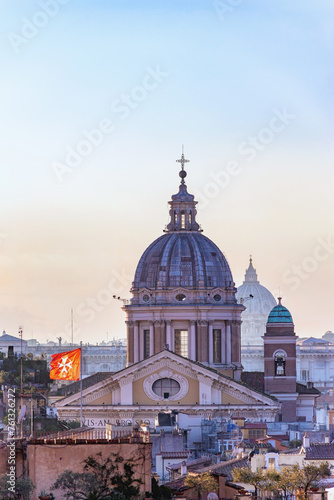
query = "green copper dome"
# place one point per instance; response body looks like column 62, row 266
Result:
column 280, row 314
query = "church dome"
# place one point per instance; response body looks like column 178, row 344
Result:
column 256, row 298
column 182, row 259
column 280, row 314
column 183, row 256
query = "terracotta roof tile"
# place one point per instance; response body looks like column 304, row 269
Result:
column 174, row 454
column 225, row 468
column 320, row 451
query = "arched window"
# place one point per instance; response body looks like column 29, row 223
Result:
column 181, row 342
column 183, row 220
column 280, row 363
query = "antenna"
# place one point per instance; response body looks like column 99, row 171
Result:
column 72, row 326
column 21, row 335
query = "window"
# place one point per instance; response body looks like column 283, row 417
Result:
column 305, row 375
column 271, row 463
column 190, row 217
column 181, row 342
column 175, row 217
column 166, row 387
column 217, row 346
column 256, row 433
column 280, row 363
column 180, row 297
column 183, row 220
column 146, row 344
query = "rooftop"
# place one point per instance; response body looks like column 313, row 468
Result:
column 280, row 314
column 320, row 451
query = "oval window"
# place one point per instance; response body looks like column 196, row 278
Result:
column 166, row 387
column 180, row 297
column 217, row 297
column 146, row 298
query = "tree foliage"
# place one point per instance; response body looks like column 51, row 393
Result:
column 310, row 475
column 102, row 479
column 246, row 476
column 160, row 492
column 201, row 483
column 287, row 481
column 24, row 488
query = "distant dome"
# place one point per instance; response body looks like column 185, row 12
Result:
column 280, row 314
column 259, row 301
column 256, row 298
column 182, row 259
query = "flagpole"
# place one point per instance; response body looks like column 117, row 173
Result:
column 81, row 419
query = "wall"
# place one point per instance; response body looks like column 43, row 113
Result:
column 284, row 460
column 46, row 462
column 166, row 441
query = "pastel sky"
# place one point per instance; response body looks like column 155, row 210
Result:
column 97, row 98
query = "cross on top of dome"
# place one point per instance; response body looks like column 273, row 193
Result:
column 182, row 160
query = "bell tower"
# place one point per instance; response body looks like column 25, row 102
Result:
column 280, row 360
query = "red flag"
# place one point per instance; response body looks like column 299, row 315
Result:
column 66, row 365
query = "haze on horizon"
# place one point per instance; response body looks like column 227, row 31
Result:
column 245, row 86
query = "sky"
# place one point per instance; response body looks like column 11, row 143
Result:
column 96, row 100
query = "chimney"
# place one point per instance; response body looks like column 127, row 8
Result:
column 306, row 441
column 183, row 468
column 327, row 439
column 309, row 385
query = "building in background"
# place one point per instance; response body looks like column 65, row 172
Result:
column 258, row 302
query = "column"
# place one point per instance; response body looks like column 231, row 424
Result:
column 169, row 335
column 172, row 336
column 126, row 390
column 210, row 342
column 236, row 341
column 223, row 343
column 192, row 346
column 130, row 339
column 136, row 342
column 141, row 344
column 159, row 335
column 228, row 343
column 151, row 338
column 203, row 341
column 205, row 393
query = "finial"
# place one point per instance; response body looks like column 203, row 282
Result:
column 250, row 259
column 182, row 160
column 279, row 300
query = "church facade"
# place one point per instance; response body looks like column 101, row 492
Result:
column 183, row 336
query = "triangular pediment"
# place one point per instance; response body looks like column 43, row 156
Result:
column 197, row 384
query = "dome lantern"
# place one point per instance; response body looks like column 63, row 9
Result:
column 251, row 276
column 183, row 206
